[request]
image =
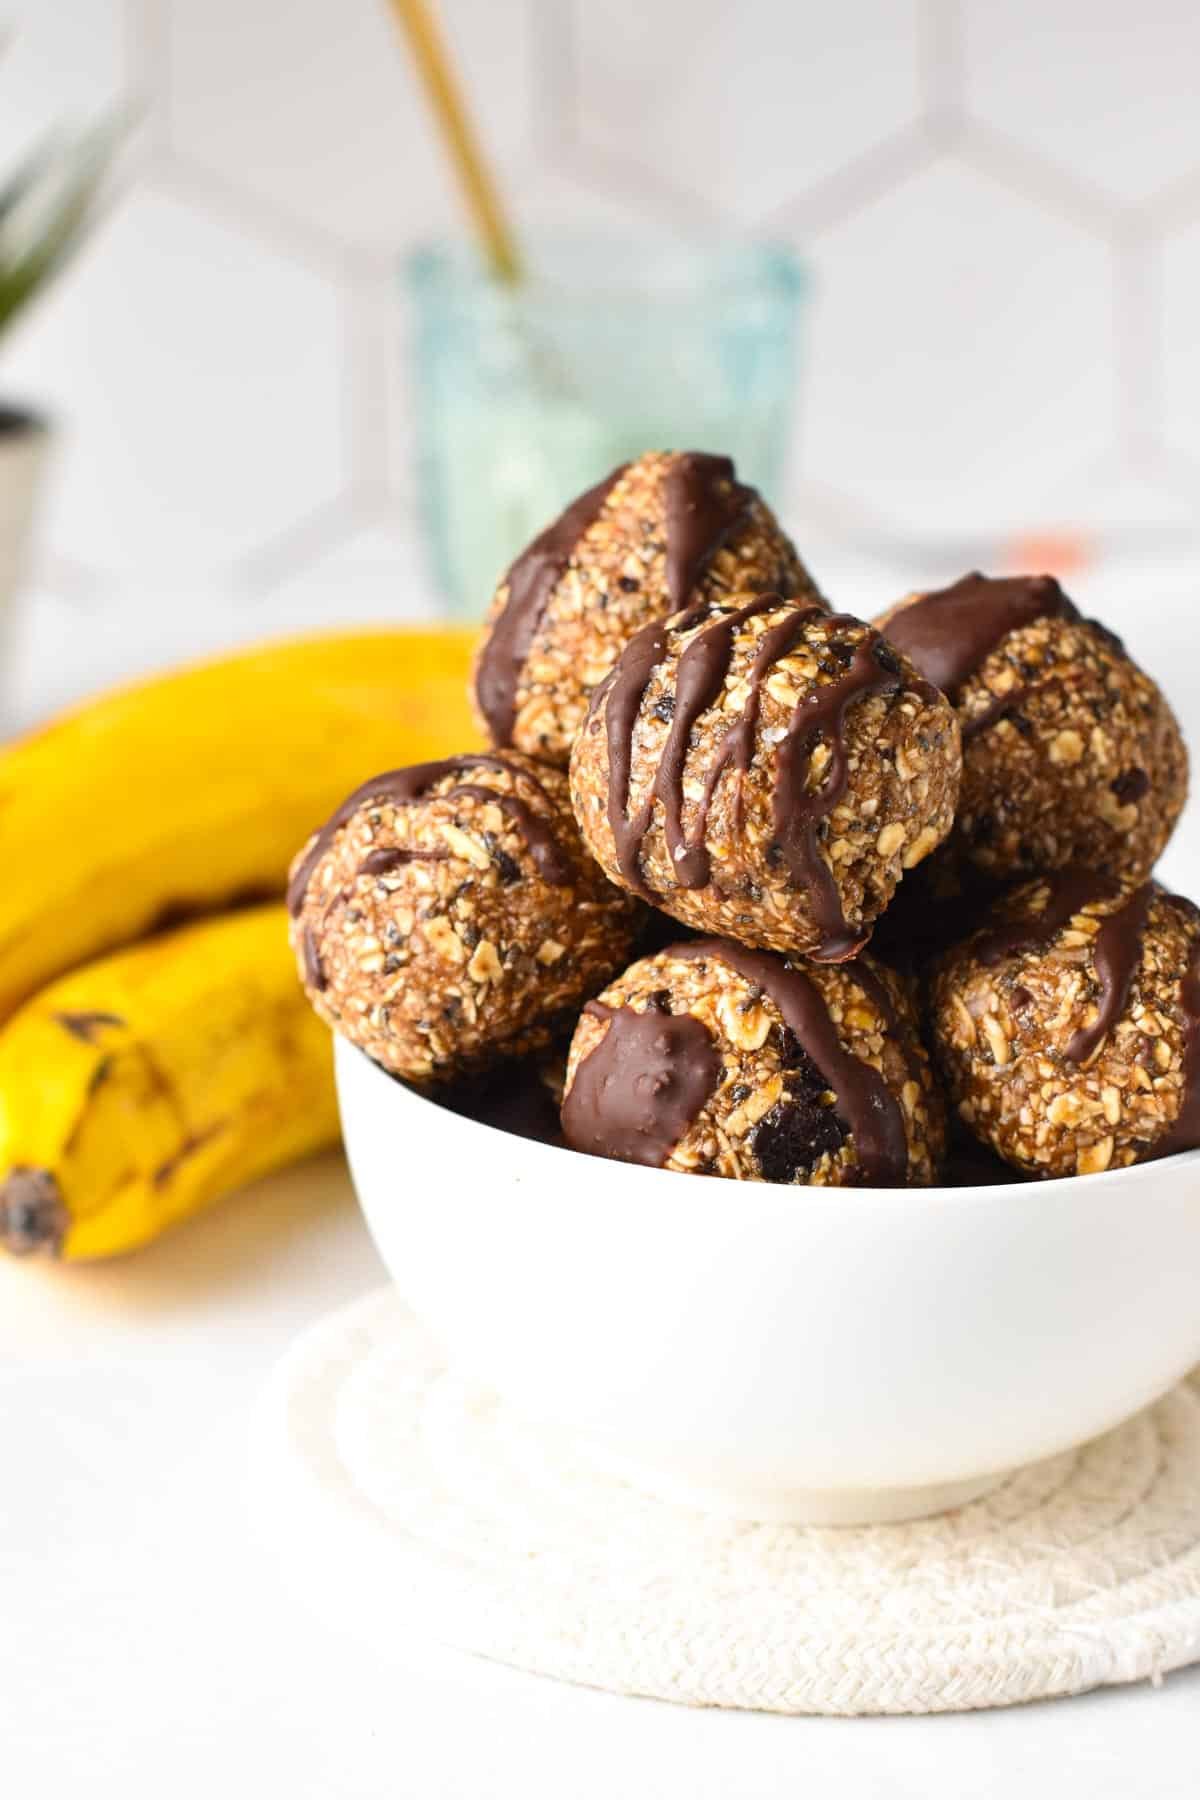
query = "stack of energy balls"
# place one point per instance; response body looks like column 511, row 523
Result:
column 695, row 758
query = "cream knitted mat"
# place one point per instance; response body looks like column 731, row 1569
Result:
column 428, row 1502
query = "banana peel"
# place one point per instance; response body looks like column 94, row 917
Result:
column 138, row 1090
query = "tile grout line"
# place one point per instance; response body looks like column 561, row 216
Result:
column 941, row 68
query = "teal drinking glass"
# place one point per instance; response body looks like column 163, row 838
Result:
column 524, row 397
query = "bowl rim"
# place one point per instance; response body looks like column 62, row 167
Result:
column 860, row 1199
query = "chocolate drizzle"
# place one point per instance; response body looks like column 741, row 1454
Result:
column 1070, row 891
column 1117, row 951
column 950, row 633
column 637, row 1093
column 1184, row 1133
column 314, row 969
column 1001, row 707
column 705, row 504
column 531, row 581
column 383, row 861
column 798, row 811
column 404, row 787
column 862, row 1099
column 1116, row 947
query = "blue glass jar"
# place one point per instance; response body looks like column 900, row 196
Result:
column 524, row 397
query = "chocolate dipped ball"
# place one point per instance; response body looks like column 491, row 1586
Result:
column 659, row 532
column 766, row 771
column 448, row 915
column 714, row 1059
column 1070, row 752
column 1068, row 1026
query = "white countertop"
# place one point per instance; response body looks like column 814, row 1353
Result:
column 149, row 1649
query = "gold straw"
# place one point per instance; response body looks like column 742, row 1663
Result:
column 445, row 97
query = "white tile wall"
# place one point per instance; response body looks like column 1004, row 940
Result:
column 1001, row 204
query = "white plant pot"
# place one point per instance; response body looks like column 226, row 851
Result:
column 24, row 439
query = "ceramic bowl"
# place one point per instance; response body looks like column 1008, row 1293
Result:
column 776, row 1353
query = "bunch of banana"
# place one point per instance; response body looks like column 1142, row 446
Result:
column 192, row 792
column 146, row 1083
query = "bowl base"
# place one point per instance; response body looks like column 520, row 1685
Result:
column 801, row 1506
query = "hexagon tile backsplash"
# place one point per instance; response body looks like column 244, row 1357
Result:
column 1000, row 205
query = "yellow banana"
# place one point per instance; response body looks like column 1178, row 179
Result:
column 140, row 1088
column 190, row 792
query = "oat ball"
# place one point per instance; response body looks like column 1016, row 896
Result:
column 715, row 1059
column 1068, row 1026
column 448, row 915
column 766, row 771
column 659, row 532
column 1070, row 753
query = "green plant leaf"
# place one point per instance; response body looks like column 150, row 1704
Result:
column 45, row 208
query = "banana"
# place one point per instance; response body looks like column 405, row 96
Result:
column 140, row 1088
column 191, row 792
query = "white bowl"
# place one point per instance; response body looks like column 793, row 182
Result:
column 811, row 1354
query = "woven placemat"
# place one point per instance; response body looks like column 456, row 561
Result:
column 431, row 1507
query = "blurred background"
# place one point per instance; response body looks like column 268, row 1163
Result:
column 997, row 209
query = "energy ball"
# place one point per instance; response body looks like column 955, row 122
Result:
column 448, row 915
column 1070, row 753
column 1068, row 1027
column 669, row 528
column 766, row 771
column 714, row 1059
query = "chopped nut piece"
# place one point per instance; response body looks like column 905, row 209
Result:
column 466, row 847
column 926, row 840
column 746, row 1028
column 441, row 936
column 1065, row 747
column 485, row 965
column 1092, row 1158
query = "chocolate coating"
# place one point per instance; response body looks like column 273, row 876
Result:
column 642, row 1088
column 949, row 633
column 706, row 504
column 531, row 581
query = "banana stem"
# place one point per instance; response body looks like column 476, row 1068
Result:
column 445, row 97
column 33, row 1217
